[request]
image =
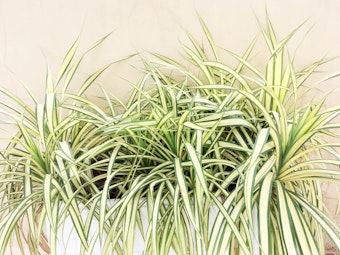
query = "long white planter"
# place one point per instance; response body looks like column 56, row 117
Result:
column 68, row 242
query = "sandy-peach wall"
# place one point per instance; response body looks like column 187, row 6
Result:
column 37, row 33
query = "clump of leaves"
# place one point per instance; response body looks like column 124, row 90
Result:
column 198, row 150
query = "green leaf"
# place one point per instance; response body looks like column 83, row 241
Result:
column 184, row 192
column 264, row 212
column 196, row 162
column 249, row 187
column 67, row 60
column 288, row 232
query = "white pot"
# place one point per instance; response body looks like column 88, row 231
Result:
column 68, row 242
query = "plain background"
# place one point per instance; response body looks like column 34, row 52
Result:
column 35, row 34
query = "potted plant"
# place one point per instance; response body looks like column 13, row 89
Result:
column 204, row 152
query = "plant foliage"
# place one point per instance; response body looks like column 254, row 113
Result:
column 193, row 137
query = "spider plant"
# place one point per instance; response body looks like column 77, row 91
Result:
column 252, row 129
column 37, row 169
column 236, row 139
column 204, row 149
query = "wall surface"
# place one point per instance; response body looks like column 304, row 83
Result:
column 35, row 34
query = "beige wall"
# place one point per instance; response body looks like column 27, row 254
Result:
column 36, row 32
